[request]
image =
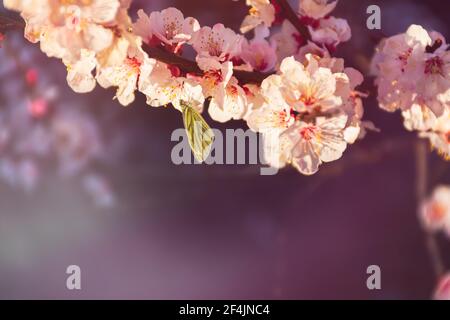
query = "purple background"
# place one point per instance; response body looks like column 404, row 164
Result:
column 213, row 232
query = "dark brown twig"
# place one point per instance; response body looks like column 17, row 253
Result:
column 7, row 23
column 293, row 18
column 188, row 66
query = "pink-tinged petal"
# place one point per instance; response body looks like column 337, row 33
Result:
column 305, row 158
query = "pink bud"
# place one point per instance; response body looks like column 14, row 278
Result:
column 38, row 108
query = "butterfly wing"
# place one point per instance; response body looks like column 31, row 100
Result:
column 200, row 135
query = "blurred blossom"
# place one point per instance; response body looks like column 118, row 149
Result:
column 38, row 107
column 435, row 212
column 8, row 171
column 37, row 128
column 28, row 175
column 442, row 291
column 99, row 190
column 31, row 76
column 77, row 140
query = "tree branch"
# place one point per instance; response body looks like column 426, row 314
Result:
column 188, row 66
column 293, row 18
column 7, row 23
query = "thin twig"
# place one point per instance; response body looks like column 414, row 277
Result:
column 8, row 23
column 421, row 193
column 293, row 18
column 188, row 66
column 185, row 65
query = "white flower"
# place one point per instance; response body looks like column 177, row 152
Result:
column 65, row 28
column 232, row 103
column 79, row 74
column 316, row 9
column 291, row 114
column 135, row 67
column 413, row 69
column 261, row 12
column 309, row 88
column 168, row 28
column 270, row 117
column 439, row 135
column 331, row 32
column 307, row 145
column 161, row 89
column 419, row 117
column 215, row 46
column 255, row 100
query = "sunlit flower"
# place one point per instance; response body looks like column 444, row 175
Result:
column 168, row 28
column 232, row 103
column 261, row 12
column 162, row 89
column 136, row 67
column 64, row 28
column 307, row 145
column 309, row 88
column 439, row 135
column 316, row 9
column 292, row 97
column 331, row 32
column 419, row 117
column 215, row 46
column 79, row 74
column 413, row 69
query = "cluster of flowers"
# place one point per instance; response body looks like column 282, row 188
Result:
column 413, row 75
column 37, row 132
column 327, row 30
column 304, row 97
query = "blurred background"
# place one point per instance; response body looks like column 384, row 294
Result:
column 105, row 195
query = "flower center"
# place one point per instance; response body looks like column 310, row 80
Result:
column 434, row 65
column 214, row 46
column 404, row 58
column 171, row 29
column 134, row 64
column 437, row 212
column 308, row 133
column 308, row 100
